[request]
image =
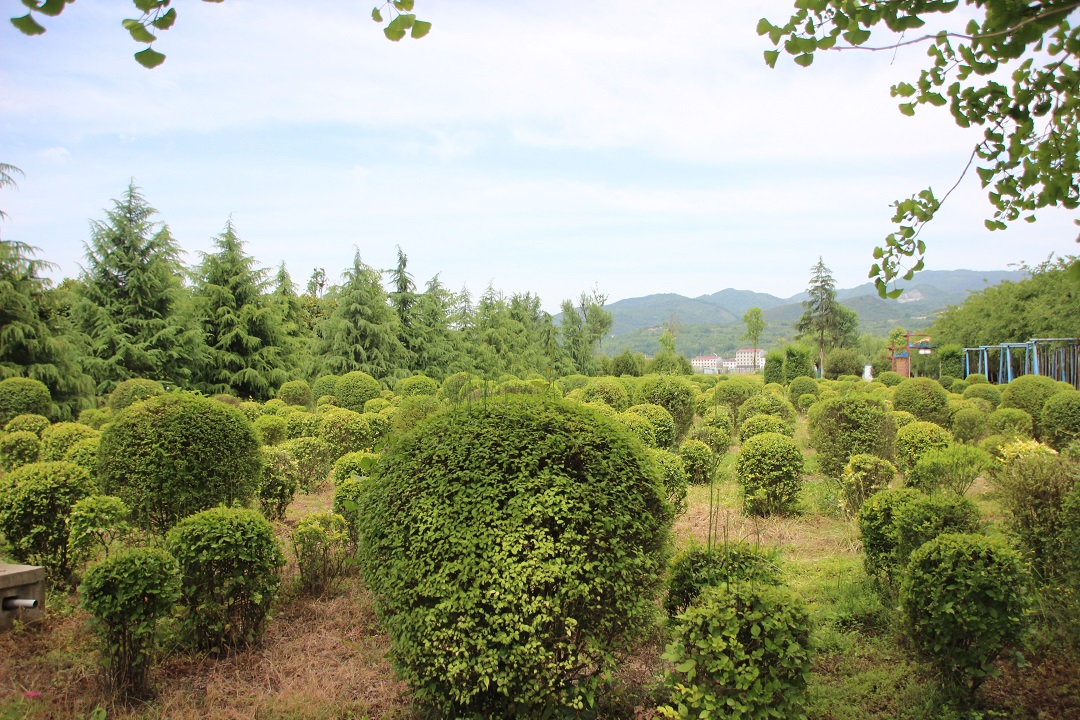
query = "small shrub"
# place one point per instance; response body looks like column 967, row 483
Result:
column 916, row 439
column 279, row 483
column 133, row 390
column 878, row 530
column 699, row 461
column 993, row 444
column 324, row 385
column 983, row 391
column 736, row 390
column 458, row 388
column 801, row 386
column 56, row 439
column 95, row 417
column 347, row 495
column 27, row 422
column 323, row 552
column 698, row 568
column 302, row 424
column 1029, row 393
column 863, row 476
column 759, row 424
column 718, row 440
column 1061, row 419
column 844, row 426
column 252, row 410
column 271, row 429
column 963, row 602
column 719, row 416
column 97, row 524
column 345, row 431
column 382, row 423
column 957, row 386
column 768, row 404
column 741, row 652
column 928, row 516
column 354, row 389
column 415, row 409
column 890, row 378
column 127, row 594
column 416, row 385
column 23, row 396
column 953, row 468
column 805, row 401
column 1011, row 422
column 639, row 427
column 374, row 405
column 769, row 469
column 35, row 504
column 841, row 362
column 674, row 394
column 662, row 421
column 313, row 460
column 968, row 424
column 295, row 392
column 17, row 449
column 924, row 398
column 674, row 475
column 976, row 379
column 84, row 454
column 229, row 562
column 606, row 390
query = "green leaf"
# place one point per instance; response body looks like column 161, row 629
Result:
column 805, row 60
column 686, row 666
column 27, row 25
column 420, row 28
column 138, row 31
column 145, row 5
column 764, row 26
column 149, row 58
column 165, row 21
column 770, row 57
column 394, row 34
column 376, row 15
column 404, row 5
column 907, row 109
column 52, row 8
column 857, row 36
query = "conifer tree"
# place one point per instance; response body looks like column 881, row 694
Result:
column 438, row 351
column 242, row 327
column 295, row 330
column 825, row 322
column 404, row 299
column 131, row 300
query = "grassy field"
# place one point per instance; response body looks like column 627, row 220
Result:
column 325, row 658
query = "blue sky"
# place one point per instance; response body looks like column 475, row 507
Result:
column 539, row 145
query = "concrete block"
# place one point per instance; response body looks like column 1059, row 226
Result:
column 20, row 587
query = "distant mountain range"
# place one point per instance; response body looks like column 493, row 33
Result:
column 712, row 324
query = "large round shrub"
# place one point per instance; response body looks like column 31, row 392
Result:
column 844, row 426
column 890, row 378
column 736, row 390
column 1029, row 393
column 413, row 410
column 768, row 404
column 639, row 427
column 968, row 424
column 916, row 439
column 878, row 530
column 512, row 546
column 17, row 449
column 56, row 439
column 84, row 453
column 698, row 568
column 23, row 396
column 271, row 429
column 172, row 455
column 324, row 385
column 924, row 398
column 1011, row 422
column 926, row 517
column 35, row 502
column 346, row 431
column 295, row 392
column 719, row 416
column 983, row 391
column 416, row 385
column 769, row 469
column 662, row 421
column 674, row 476
column 801, row 386
column 699, row 461
column 1061, row 419
column 133, row 390
column 718, row 440
column 963, row 602
column 27, row 422
column 229, row 562
column 843, row 361
column 740, row 652
column 674, row 394
column 759, row 424
column 606, row 390
column 354, row 389
column 863, row 476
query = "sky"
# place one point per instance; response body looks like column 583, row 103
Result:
column 539, row 146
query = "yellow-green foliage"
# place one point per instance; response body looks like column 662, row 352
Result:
column 769, row 469
column 916, row 439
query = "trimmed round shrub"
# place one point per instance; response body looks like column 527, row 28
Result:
column 863, row 476
column 801, row 386
column 295, row 392
column 302, row 424
column 662, row 421
column 840, row 362
column 890, row 378
column 963, row 601
column 698, row 568
column 512, row 547
column 279, row 482
column 639, row 427
column 459, row 387
column 252, row 410
column 983, row 391
column 768, row 404
column 133, row 390
column 230, row 400
column 1061, row 419
column 976, row 378
column 718, row 440
column 413, row 410
column 173, row 455
column 514, row 386
column 374, row 405
column 928, row 516
column 324, row 385
column 354, row 464
column 382, row 423
column 84, row 453
column 674, row 394
column 273, row 405
column 345, row 431
column 805, row 401
column 674, row 475
column 347, row 495
column 56, row 439
column 879, row 534
column 96, row 418
column 416, row 385
column 271, row 429
column 354, row 389
column 323, row 552
column 924, row 398
column 229, row 563
column 953, row 468
column 97, row 523
column 606, row 390
column 736, row 390
column 1029, row 393
column 769, row 469
column 993, row 444
column 1011, row 422
column 18, row 448
column 1032, row 485
column 916, row 439
column 23, row 396
column 27, row 422
column 719, row 416
column 957, row 386
column 762, row 424
column 968, row 424
column 35, row 502
column 900, row 418
column 313, row 457
column 699, row 461
column 127, row 594
column 742, row 651
column 844, row 426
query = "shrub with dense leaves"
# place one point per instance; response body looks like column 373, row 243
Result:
column 324, row 552
column 271, row 429
column 698, row 568
column 295, row 392
column 23, row 396
column 1029, row 393
column 736, row 390
column 801, row 386
column 769, row 469
column 863, row 476
column 968, row 424
column 662, row 421
column 674, row 394
column 302, row 424
column 18, row 448
column 56, row 439
column 84, row 454
column 843, row 361
column 132, row 391
column 878, row 530
column 176, row 454
column 983, row 391
column 27, row 422
column 313, row 457
column 639, row 427
column 1011, row 422
column 759, row 424
column 512, row 547
column 354, row 389
column 279, row 483
column 928, row 516
column 354, row 464
column 97, row 523
column 674, row 475
column 768, row 404
column 35, row 503
column 416, row 385
column 127, row 594
column 413, row 410
column 718, row 440
column 844, row 426
column 324, row 385
column 699, row 461
column 345, row 431
column 952, row 468
column 740, row 652
column 963, row 602
column 924, row 398
column 606, row 390
column 229, row 562
column 890, row 378
column 1061, row 419
column 916, row 439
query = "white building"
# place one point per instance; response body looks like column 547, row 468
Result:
column 750, row 359
column 707, row 364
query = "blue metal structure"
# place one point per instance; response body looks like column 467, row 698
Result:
column 1058, row 358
